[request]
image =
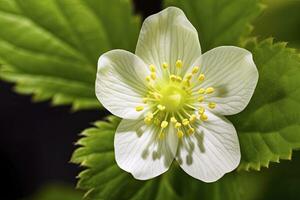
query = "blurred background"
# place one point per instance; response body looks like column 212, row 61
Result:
column 37, row 140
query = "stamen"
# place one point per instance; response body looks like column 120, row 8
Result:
column 203, row 117
column 173, row 120
column 189, row 76
column 191, row 131
column 209, row 90
column 152, row 68
column 161, row 107
column 173, row 77
column 212, row 105
column 195, row 70
column 164, row 124
column 178, row 78
column 201, row 91
column 153, row 75
column 145, row 100
column 201, row 77
column 177, row 125
column 147, row 120
column 179, row 134
column 193, row 118
column 148, row 78
column 139, row 108
column 150, row 115
column 165, row 65
column 179, row 64
column 201, row 111
column 201, row 98
column 161, row 135
column 185, row 122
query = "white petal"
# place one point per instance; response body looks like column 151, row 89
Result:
column 120, row 83
column 211, row 151
column 233, row 74
column 138, row 149
column 166, row 37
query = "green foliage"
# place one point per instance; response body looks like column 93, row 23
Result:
column 50, row 48
column 57, row 191
column 103, row 179
column 220, row 22
column 269, row 128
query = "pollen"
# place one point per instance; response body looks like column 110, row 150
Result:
column 152, row 68
column 185, row 122
column 164, row 124
column 179, row 134
column 176, row 99
column 177, row 125
column 201, row 91
column 212, row 105
column 139, row 108
column 173, row 120
column 153, row 75
column 179, row 64
column 201, row 98
column 201, row 77
column 165, row 65
column 203, row 117
column 209, row 90
column 195, row 70
column 161, row 107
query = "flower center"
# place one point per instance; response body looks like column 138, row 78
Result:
column 175, row 100
column 173, row 97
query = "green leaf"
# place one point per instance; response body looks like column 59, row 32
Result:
column 57, row 191
column 219, row 22
column 269, row 128
column 103, row 179
column 50, row 48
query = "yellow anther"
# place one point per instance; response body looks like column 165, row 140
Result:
column 173, row 77
column 161, row 107
column 209, row 90
column 178, row 64
column 173, row 120
column 195, row 70
column 139, row 108
column 203, row 117
column 147, row 120
column 179, row 134
column 156, row 95
column 191, row 131
column 187, row 83
column 178, row 78
column 152, row 68
column 161, row 135
column 165, row 65
column 189, row 76
column 212, row 105
column 153, row 75
column 149, row 115
column 177, row 125
column 148, row 78
column 185, row 122
column 201, row 91
column 201, row 77
column 201, row 98
column 201, row 110
column 193, row 118
column 164, row 124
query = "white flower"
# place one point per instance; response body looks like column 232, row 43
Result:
column 172, row 99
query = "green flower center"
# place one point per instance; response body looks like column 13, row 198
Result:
column 172, row 100
column 173, row 97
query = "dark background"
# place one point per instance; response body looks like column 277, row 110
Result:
column 37, row 140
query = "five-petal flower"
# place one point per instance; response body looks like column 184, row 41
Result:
column 172, row 100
